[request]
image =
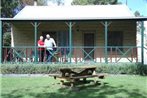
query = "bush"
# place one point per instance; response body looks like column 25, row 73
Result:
column 28, row 69
column 141, row 69
column 54, row 68
column 7, row 39
column 118, row 69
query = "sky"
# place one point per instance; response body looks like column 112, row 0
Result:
column 68, row 2
column 137, row 5
column 134, row 5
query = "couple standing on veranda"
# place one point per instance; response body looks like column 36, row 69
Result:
column 46, row 46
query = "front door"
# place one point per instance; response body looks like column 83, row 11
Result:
column 89, row 45
column 52, row 35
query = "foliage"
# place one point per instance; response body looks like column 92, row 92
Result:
column 57, row 2
column 8, row 11
column 54, row 68
column 139, row 26
column 80, row 2
column 27, row 2
column 123, row 69
column 28, row 69
column 142, row 69
column 41, row 2
column 137, row 14
column 7, row 39
column 7, row 8
column 94, row 2
column 31, row 2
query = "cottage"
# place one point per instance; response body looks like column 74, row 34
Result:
column 93, row 33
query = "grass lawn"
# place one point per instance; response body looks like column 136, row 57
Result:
column 46, row 87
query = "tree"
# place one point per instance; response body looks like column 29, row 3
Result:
column 7, row 39
column 105, row 2
column 60, row 2
column 137, row 14
column 42, row 2
column 27, row 2
column 55, row 2
column 94, row 2
column 31, row 2
column 7, row 8
column 80, row 2
column 8, row 11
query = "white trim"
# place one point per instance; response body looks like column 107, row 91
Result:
column 12, row 37
column 79, row 19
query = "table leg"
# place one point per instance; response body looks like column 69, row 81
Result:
column 84, row 80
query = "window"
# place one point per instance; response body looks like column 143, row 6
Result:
column 63, row 39
column 115, row 38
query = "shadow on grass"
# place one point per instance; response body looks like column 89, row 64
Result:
column 103, row 90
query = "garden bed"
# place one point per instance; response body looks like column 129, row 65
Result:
column 119, row 68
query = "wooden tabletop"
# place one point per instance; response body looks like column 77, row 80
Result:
column 78, row 70
column 79, row 67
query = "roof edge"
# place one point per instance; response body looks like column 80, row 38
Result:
column 82, row 19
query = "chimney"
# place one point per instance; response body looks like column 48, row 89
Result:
column 35, row 2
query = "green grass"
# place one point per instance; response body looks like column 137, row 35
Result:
column 130, row 86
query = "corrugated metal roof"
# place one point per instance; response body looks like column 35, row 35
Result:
column 74, row 12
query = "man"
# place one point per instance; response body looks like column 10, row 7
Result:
column 41, row 49
column 49, row 43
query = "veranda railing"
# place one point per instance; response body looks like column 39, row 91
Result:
column 76, row 54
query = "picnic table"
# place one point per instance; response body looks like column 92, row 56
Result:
column 75, row 75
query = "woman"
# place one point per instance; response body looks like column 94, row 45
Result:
column 41, row 49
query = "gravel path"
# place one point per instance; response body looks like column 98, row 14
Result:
column 49, row 75
column 24, row 75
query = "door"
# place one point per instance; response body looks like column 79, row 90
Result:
column 89, row 45
column 52, row 35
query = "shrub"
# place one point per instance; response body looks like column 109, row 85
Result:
column 121, row 68
column 141, row 69
column 117, row 68
column 7, row 39
column 27, row 69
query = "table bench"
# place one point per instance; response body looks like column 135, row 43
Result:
column 74, row 74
